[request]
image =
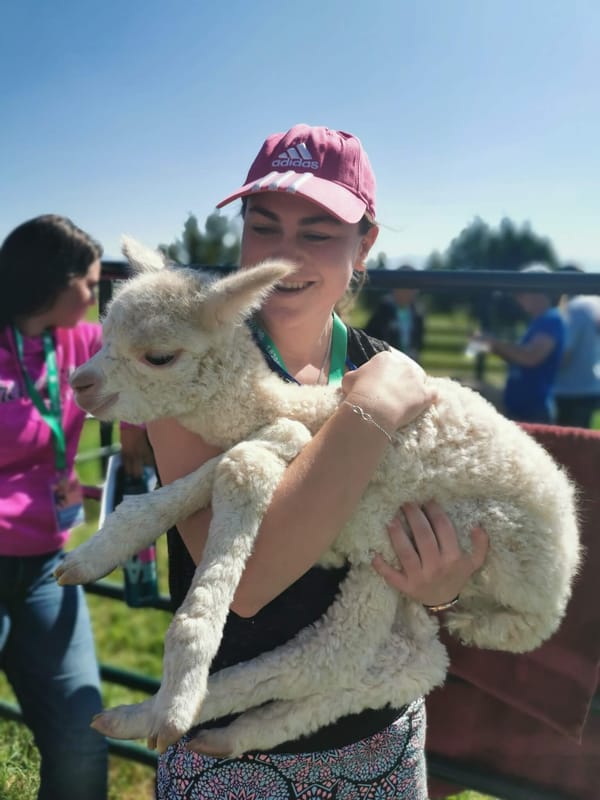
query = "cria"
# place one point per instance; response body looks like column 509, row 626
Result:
column 176, row 345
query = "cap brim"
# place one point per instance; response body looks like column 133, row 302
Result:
column 335, row 199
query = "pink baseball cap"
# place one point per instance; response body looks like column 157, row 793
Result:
column 328, row 167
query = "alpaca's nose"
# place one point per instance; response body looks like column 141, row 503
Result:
column 84, row 380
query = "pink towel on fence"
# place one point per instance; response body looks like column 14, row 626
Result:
column 528, row 716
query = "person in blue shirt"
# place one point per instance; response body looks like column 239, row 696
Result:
column 577, row 388
column 534, row 361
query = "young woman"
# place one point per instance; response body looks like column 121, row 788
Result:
column 49, row 271
column 309, row 197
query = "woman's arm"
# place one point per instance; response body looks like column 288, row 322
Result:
column 321, row 487
column 524, row 355
column 177, row 452
column 136, row 452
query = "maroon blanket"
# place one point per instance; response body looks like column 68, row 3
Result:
column 527, row 717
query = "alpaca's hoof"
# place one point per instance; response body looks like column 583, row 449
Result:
column 125, row 722
column 72, row 570
column 215, row 742
column 168, row 734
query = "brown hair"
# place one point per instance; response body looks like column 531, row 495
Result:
column 37, row 260
column 358, row 280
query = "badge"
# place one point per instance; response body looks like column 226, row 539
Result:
column 67, row 498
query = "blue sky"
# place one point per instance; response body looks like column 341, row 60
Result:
column 128, row 115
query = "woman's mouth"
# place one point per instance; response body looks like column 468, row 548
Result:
column 293, row 286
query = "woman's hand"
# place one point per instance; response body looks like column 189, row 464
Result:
column 479, row 342
column 432, row 567
column 391, row 387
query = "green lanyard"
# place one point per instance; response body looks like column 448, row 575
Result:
column 339, row 346
column 52, row 415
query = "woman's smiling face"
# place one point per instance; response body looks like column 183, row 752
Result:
column 325, row 250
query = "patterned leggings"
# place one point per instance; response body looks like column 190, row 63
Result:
column 390, row 764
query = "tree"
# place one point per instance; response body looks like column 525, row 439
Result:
column 217, row 245
column 508, row 248
column 480, row 247
column 378, row 263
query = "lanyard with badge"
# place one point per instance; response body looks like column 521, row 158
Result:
column 339, row 349
column 66, row 492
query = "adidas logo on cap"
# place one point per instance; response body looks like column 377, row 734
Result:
column 299, row 156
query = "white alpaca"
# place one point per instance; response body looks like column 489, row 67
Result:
column 176, row 345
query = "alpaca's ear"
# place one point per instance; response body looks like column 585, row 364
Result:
column 237, row 296
column 140, row 257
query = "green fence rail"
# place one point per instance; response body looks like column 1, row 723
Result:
column 428, row 280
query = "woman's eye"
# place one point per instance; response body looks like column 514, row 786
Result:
column 317, row 237
column 158, row 359
column 263, row 230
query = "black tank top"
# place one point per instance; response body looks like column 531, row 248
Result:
column 301, row 604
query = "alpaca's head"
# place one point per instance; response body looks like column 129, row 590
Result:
column 165, row 334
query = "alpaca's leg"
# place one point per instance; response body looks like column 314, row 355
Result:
column 244, row 483
column 140, row 519
column 136, row 523
column 402, row 670
column 334, row 650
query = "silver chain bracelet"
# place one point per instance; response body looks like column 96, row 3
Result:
column 367, row 418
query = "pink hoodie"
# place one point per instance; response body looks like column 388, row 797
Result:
column 27, row 522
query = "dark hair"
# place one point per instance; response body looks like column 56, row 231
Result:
column 570, row 268
column 37, row 260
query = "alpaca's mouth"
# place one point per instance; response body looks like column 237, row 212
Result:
column 98, row 409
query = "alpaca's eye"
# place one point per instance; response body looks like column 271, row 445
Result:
column 158, row 359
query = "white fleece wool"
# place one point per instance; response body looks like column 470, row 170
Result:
column 373, row 646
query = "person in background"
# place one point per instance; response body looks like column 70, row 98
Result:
column 399, row 320
column 535, row 360
column 577, row 387
column 309, row 197
column 49, row 272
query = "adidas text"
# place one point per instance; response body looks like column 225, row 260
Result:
column 295, row 162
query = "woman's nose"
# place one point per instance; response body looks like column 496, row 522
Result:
column 289, row 250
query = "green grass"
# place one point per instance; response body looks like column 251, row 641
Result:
column 446, row 337
column 18, row 762
column 133, row 638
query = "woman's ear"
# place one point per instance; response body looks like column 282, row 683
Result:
column 366, row 243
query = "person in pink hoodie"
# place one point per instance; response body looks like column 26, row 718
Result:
column 49, row 273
